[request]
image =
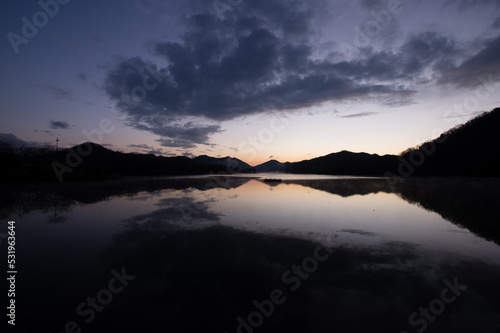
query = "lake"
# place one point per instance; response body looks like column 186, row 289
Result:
column 257, row 253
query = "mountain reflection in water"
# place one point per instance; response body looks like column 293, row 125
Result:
column 203, row 250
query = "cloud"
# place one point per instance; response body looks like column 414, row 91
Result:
column 147, row 6
column 177, row 135
column 473, row 114
column 146, row 149
column 369, row 5
column 141, row 146
column 496, row 23
column 188, row 154
column 45, row 131
column 426, row 50
column 12, row 139
column 358, row 115
column 263, row 57
column 155, row 152
column 465, row 4
column 257, row 60
column 209, row 77
column 486, row 62
column 59, row 92
column 83, row 77
column 98, row 39
column 59, row 125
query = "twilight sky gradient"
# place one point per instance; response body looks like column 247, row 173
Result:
column 254, row 79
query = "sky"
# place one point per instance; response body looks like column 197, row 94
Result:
column 254, row 79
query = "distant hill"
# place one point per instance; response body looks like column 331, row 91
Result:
column 346, row 163
column 230, row 163
column 471, row 149
column 272, row 166
column 91, row 161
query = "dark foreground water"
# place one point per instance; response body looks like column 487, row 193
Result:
column 244, row 255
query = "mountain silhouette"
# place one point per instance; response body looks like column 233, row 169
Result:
column 90, row 161
column 230, row 163
column 272, row 166
column 467, row 150
column 346, row 163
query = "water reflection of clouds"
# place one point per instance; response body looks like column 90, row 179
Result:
column 180, row 211
column 371, row 218
column 319, row 207
column 211, row 267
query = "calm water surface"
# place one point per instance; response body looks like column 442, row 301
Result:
column 203, row 250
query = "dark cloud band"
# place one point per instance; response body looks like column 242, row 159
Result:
column 259, row 58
